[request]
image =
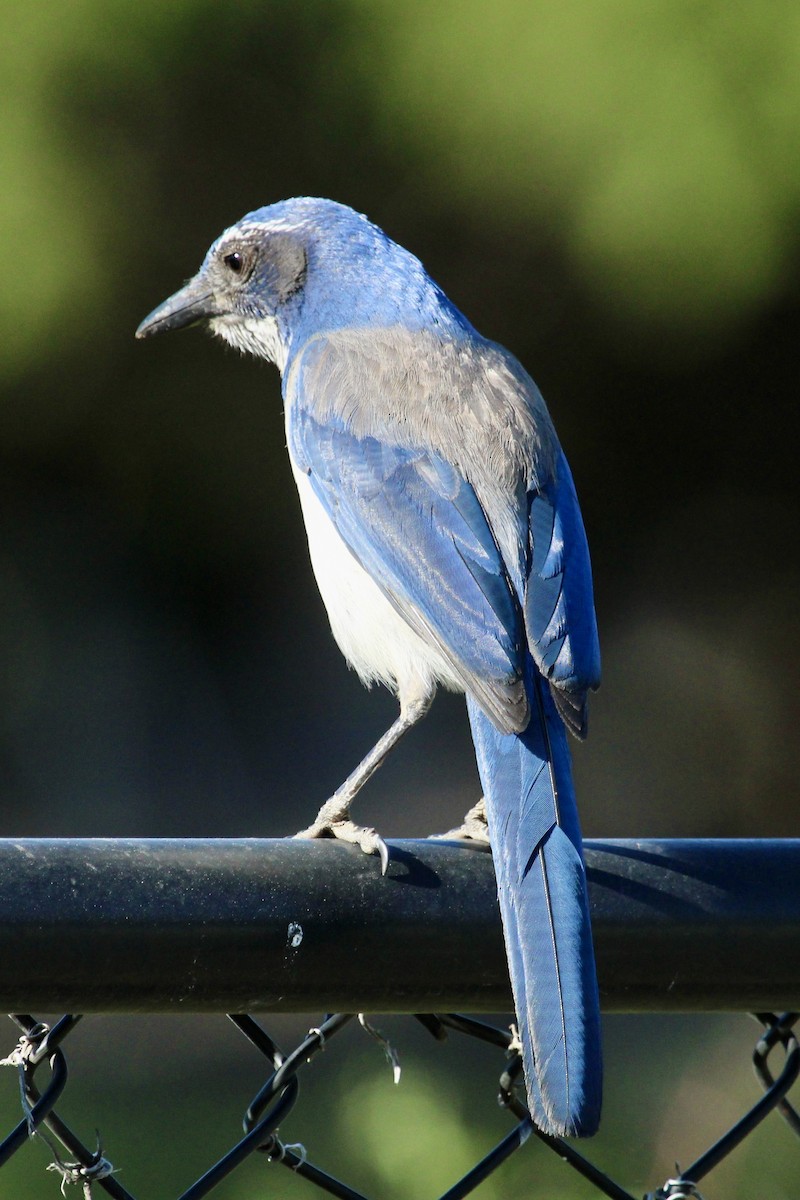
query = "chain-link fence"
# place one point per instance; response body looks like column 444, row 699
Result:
column 685, row 916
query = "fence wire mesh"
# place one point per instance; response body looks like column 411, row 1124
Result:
column 40, row 1062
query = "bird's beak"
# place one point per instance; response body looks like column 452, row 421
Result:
column 192, row 303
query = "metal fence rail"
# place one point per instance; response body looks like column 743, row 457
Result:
column 260, row 926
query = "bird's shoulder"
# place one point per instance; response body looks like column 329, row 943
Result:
column 460, row 396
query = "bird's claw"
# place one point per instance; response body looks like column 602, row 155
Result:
column 368, row 839
column 474, row 827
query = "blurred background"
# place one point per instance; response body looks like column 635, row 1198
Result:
column 613, row 192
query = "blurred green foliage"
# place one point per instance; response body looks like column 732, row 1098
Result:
column 610, row 189
column 656, row 140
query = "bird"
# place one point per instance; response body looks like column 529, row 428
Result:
column 448, row 546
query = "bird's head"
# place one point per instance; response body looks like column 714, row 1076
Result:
column 288, row 270
column 251, row 277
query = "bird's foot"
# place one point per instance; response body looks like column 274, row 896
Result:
column 474, row 827
column 333, row 821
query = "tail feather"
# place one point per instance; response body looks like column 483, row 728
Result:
column 536, row 841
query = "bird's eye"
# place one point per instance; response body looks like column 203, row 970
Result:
column 234, row 262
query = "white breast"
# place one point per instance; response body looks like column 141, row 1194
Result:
column 371, row 634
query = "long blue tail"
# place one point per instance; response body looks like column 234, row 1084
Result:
column 541, row 882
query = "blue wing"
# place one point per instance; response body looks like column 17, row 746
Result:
column 559, row 607
column 419, row 531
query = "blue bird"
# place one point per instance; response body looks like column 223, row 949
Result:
column 448, row 546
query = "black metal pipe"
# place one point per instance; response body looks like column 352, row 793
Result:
column 285, row 926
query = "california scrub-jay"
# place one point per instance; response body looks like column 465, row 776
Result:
column 447, row 543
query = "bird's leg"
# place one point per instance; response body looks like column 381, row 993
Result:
column 333, row 819
column 474, row 827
